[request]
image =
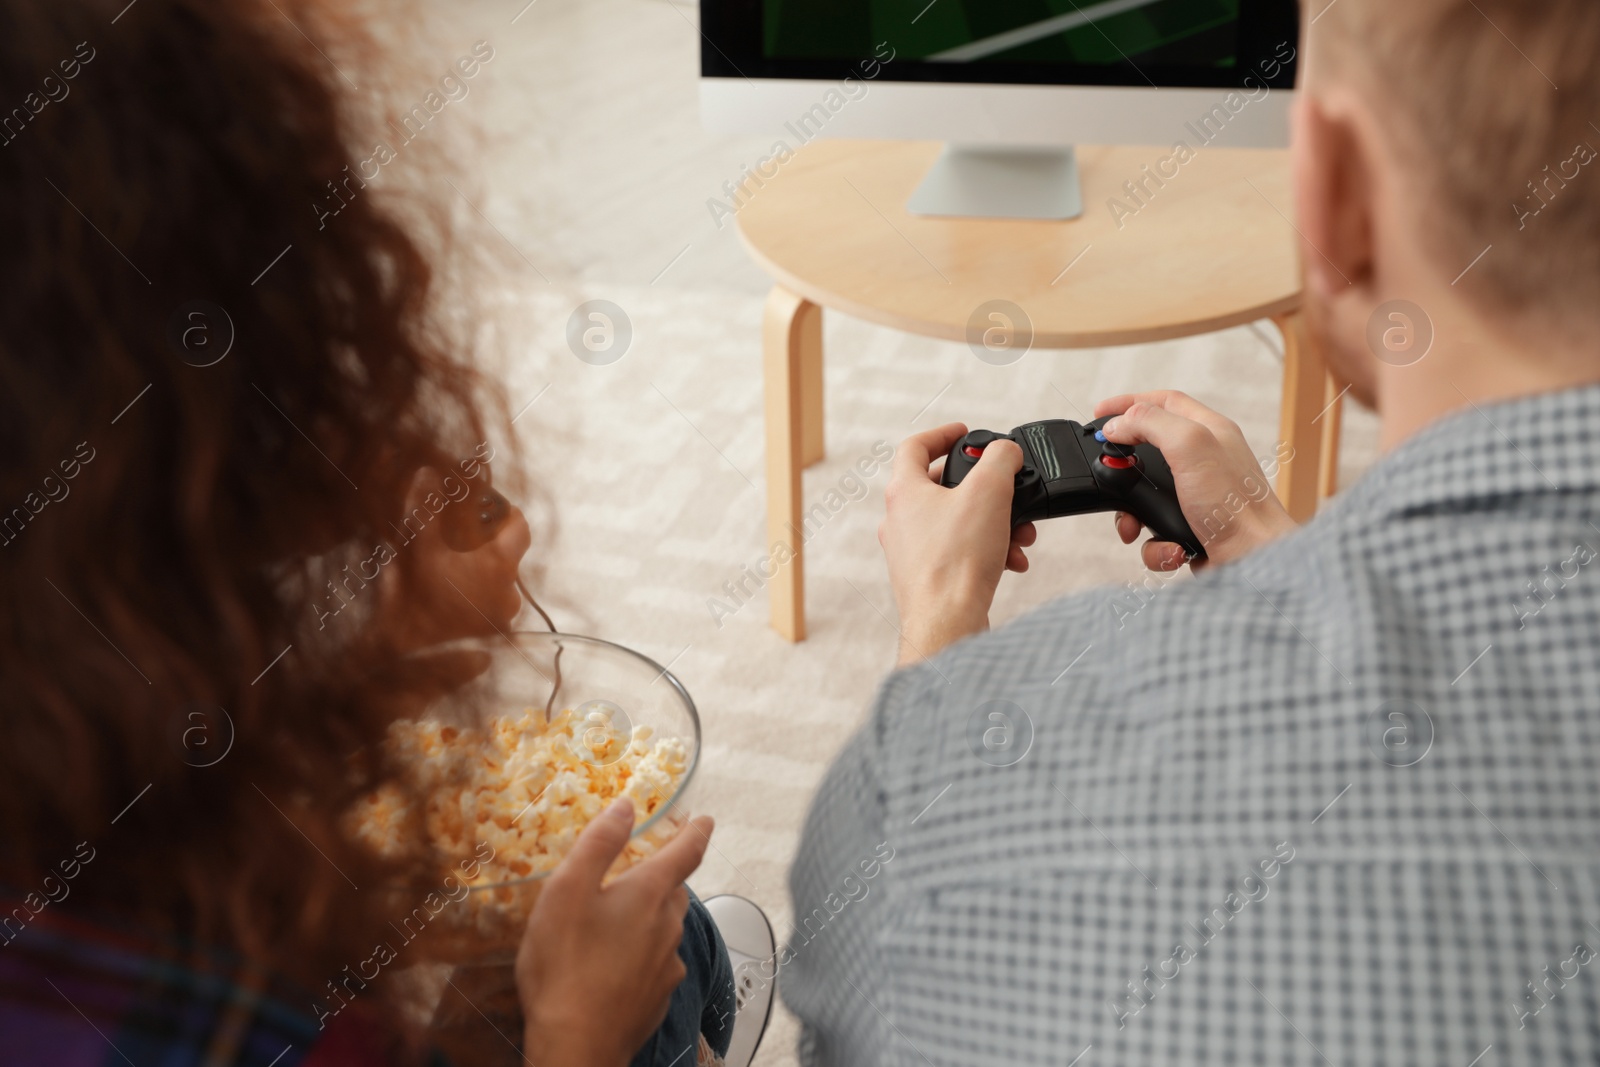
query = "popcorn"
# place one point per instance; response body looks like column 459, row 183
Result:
column 525, row 788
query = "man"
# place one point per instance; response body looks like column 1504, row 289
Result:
column 1337, row 799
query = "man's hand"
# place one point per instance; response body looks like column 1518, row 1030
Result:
column 948, row 547
column 598, row 964
column 1224, row 494
column 433, row 593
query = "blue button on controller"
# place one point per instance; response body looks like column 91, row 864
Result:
column 1100, row 435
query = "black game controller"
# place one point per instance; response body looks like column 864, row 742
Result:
column 475, row 520
column 1071, row 469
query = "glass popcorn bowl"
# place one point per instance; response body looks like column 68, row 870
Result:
column 508, row 790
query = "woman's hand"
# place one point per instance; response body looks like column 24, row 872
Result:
column 1222, row 489
column 947, row 548
column 432, row 593
column 598, row 964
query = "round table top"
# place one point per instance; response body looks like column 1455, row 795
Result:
column 1210, row 247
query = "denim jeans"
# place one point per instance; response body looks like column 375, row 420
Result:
column 703, row 1002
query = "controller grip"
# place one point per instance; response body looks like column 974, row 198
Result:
column 1153, row 500
column 959, row 463
column 1163, row 517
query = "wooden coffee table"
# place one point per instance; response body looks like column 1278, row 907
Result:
column 1209, row 248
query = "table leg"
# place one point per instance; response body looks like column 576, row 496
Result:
column 1332, row 418
column 809, row 340
column 1305, row 394
column 791, row 329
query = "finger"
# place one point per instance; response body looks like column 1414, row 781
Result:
column 1178, row 403
column 1175, row 435
column 1025, row 535
column 1163, row 556
column 676, row 972
column 915, row 454
column 659, row 936
column 665, row 991
column 1016, row 560
column 1128, row 528
column 669, row 935
column 660, row 984
column 681, row 856
column 995, row 474
column 1115, row 405
column 598, row 847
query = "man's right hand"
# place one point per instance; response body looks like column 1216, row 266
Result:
column 598, row 963
column 1224, row 494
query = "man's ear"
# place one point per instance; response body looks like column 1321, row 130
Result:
column 1334, row 197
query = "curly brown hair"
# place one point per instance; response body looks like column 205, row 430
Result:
column 173, row 568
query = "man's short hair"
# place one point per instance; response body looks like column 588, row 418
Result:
column 1492, row 105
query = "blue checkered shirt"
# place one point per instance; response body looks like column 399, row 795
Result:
column 1335, row 803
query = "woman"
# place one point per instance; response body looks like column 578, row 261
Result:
column 214, row 399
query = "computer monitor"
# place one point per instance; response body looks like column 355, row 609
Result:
column 1009, row 85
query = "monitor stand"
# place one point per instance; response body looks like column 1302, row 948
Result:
column 1000, row 183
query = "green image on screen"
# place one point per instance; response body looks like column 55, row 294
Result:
column 1197, row 33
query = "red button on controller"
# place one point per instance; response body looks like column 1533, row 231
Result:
column 1118, row 463
column 973, row 451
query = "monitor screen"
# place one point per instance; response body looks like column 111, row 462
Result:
column 1161, row 43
